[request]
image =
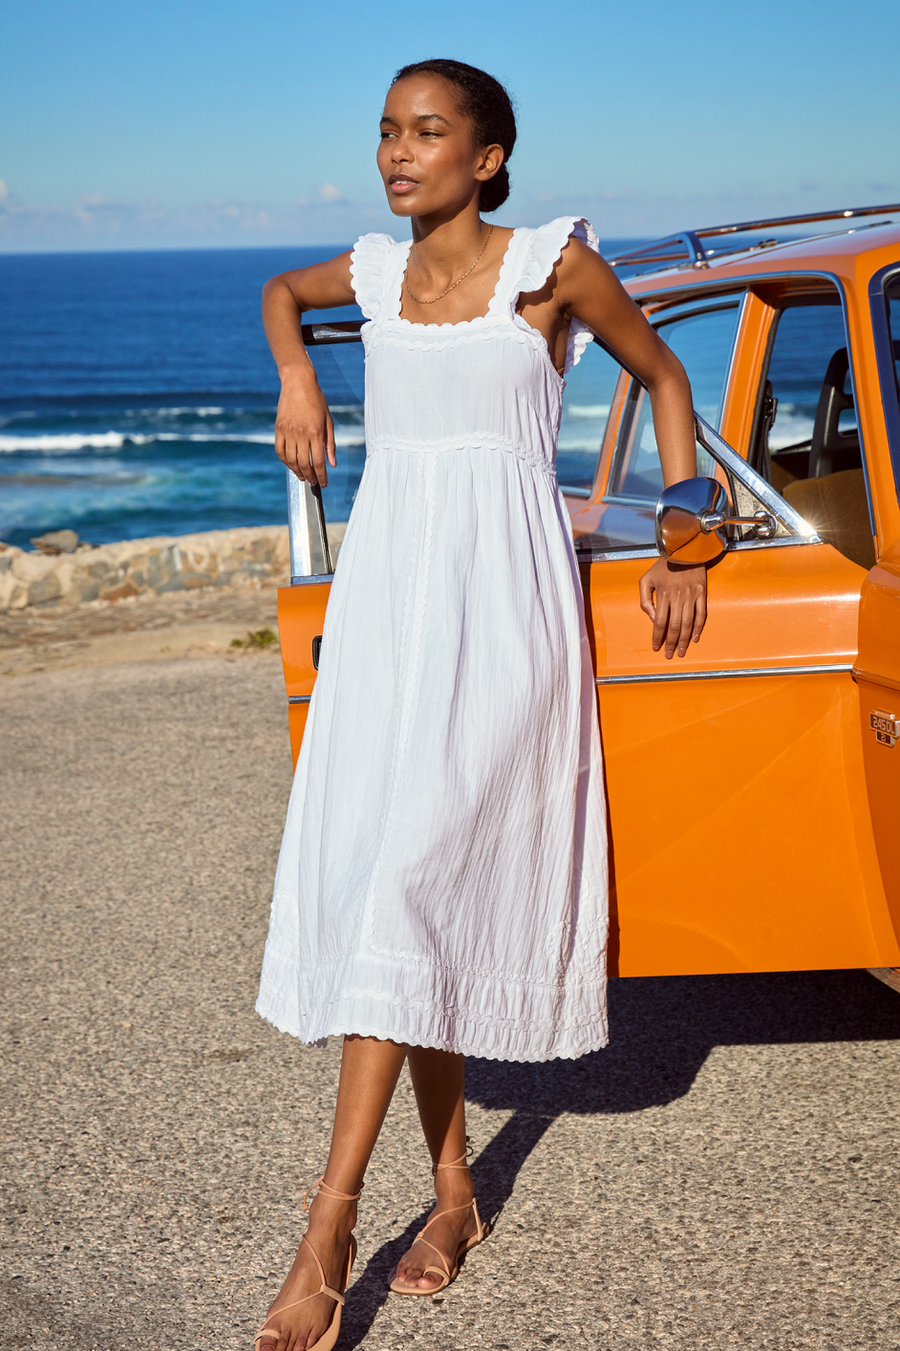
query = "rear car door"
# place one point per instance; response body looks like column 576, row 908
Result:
column 336, row 351
column 877, row 668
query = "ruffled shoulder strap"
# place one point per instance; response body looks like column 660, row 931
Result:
column 369, row 268
column 538, row 254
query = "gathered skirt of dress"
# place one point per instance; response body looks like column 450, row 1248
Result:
column 442, row 880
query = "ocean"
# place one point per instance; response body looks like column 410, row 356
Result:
column 138, row 396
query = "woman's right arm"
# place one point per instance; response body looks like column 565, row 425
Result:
column 304, row 432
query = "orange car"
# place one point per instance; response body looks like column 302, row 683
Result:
column 754, row 786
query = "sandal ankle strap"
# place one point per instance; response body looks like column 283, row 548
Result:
column 461, row 1162
column 331, row 1192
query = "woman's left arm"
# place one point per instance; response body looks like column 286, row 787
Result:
column 673, row 595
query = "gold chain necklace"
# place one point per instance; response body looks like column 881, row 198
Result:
column 454, row 283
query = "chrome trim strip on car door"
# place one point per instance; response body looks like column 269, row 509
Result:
column 299, row 698
column 876, row 678
column 821, row 668
column 607, row 555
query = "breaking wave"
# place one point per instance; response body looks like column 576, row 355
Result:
column 72, row 442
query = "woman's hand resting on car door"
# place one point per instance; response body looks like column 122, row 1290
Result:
column 674, row 597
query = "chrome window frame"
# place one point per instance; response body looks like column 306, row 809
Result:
column 310, row 554
column 884, row 360
column 838, row 284
column 311, row 561
column 748, row 491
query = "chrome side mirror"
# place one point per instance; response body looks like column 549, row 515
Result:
column 691, row 518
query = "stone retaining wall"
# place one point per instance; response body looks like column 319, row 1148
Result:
column 251, row 557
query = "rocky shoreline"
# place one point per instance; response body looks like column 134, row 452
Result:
column 245, row 557
column 78, row 573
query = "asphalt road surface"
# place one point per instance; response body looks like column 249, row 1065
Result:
column 725, row 1174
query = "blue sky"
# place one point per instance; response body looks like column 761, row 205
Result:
column 192, row 123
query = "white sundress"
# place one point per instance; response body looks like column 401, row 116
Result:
column 442, row 878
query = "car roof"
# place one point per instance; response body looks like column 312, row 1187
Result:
column 695, row 259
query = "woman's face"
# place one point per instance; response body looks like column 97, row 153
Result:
column 428, row 157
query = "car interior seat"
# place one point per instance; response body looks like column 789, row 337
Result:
column 831, row 449
column 832, row 496
column 836, row 505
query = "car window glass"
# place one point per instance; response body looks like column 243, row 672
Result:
column 806, row 338
column 892, row 294
column 703, row 344
column 585, row 412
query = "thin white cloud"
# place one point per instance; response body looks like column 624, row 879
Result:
column 329, row 193
column 4, row 191
column 93, row 222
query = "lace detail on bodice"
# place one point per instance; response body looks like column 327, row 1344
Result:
column 395, row 270
column 378, row 263
column 495, row 384
column 445, row 445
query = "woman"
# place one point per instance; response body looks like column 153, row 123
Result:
column 441, row 888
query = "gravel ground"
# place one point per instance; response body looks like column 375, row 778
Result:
column 725, row 1174
column 141, row 628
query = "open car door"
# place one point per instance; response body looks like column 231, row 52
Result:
column 741, row 838
column 335, row 347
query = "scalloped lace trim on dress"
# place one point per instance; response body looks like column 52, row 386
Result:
column 368, row 265
column 544, row 250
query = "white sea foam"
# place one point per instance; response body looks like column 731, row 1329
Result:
column 183, row 412
column 72, row 442
column 790, row 427
column 66, row 441
column 343, row 436
column 574, row 442
column 586, row 410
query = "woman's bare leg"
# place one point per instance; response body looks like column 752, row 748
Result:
column 369, row 1073
column 439, row 1081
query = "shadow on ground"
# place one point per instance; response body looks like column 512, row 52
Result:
column 661, row 1030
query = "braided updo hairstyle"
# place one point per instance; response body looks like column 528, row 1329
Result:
column 486, row 102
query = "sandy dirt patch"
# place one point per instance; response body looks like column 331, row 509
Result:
column 143, row 628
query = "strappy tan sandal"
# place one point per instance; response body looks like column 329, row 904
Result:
column 446, row 1272
column 330, row 1335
